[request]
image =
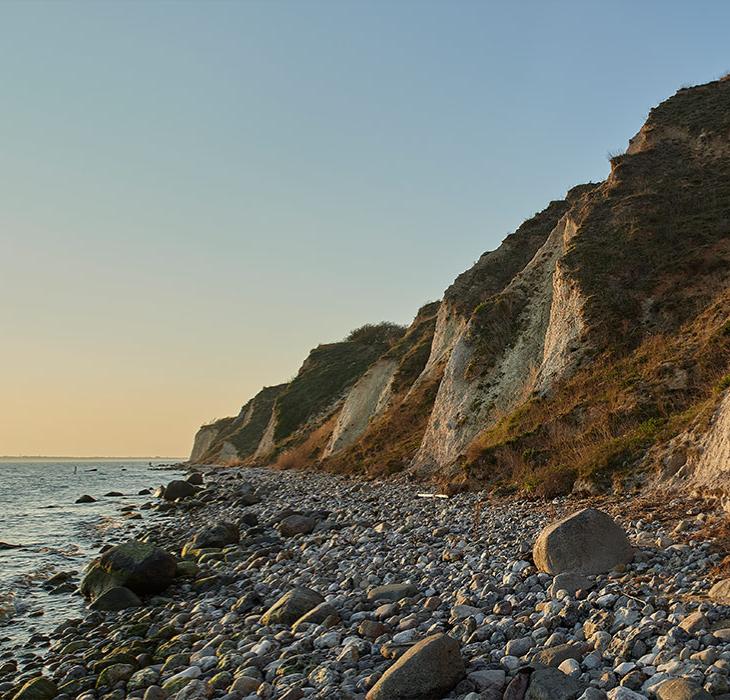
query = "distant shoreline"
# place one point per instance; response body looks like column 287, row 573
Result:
column 48, row 458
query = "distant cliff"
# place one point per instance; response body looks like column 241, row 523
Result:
column 586, row 352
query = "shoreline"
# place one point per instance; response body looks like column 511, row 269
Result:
column 467, row 570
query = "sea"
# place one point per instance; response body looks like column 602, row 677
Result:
column 55, row 534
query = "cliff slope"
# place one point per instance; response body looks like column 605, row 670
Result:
column 580, row 354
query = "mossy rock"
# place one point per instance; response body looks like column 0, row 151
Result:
column 73, row 647
column 176, row 661
column 175, row 685
column 37, row 689
column 143, row 678
column 166, row 632
column 139, row 566
column 187, row 569
column 113, row 659
column 114, row 674
column 221, row 680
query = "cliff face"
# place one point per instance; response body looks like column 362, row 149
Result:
column 594, row 335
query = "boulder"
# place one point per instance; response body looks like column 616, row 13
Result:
column 587, row 541
column 140, row 566
column 178, row 489
column 551, row 684
column 427, row 671
column 37, row 689
column 85, row 499
column 720, row 592
column 291, row 606
column 217, row 535
column 196, row 479
column 115, row 599
column 392, row 592
column 297, row 525
column 681, row 689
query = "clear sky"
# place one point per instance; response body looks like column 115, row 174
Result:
column 194, row 194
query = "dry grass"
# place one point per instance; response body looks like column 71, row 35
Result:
column 600, row 422
column 306, row 454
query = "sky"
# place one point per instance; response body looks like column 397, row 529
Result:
column 194, row 194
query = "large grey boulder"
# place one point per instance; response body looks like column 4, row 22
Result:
column 588, row 541
column 681, row 689
column 427, row 671
column 291, row 606
column 551, row 684
column 140, row 566
column 720, row 592
column 178, row 489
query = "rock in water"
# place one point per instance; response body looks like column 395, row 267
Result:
column 427, row 671
column 291, row 606
column 681, row 689
column 297, row 525
column 37, row 689
column 588, row 541
column 139, row 566
column 178, row 489
column 85, row 499
column 720, row 592
column 115, row 599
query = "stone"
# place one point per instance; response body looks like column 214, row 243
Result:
column 720, row 592
column 37, row 689
column 681, row 689
column 140, row 566
column 554, row 656
column 316, row 615
column 297, row 525
column 427, row 671
column 587, row 541
column 115, row 599
column 570, row 581
column 178, row 490
column 392, row 592
column 487, row 678
column 694, row 622
column 113, row 674
column 196, row 479
column 154, row 692
column 291, row 606
column 551, row 684
column 85, row 499
column 623, row 693
column 520, row 646
column 218, row 535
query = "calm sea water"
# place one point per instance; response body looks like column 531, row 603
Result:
column 37, row 511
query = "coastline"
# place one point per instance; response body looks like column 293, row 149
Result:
column 466, row 570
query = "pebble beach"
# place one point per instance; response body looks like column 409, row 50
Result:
column 292, row 585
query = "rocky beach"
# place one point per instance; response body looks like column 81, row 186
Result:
column 255, row 583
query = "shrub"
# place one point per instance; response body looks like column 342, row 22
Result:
column 383, row 333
